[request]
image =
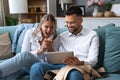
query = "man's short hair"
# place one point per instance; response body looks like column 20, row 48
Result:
column 74, row 10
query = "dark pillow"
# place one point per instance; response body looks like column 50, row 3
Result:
column 101, row 33
column 112, row 49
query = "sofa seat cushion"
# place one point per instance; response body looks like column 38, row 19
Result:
column 111, row 77
column 26, row 77
column 101, row 33
column 112, row 49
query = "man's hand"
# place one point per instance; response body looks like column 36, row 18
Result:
column 73, row 61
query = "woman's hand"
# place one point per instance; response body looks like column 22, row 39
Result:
column 73, row 61
column 46, row 45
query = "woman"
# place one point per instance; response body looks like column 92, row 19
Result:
column 36, row 42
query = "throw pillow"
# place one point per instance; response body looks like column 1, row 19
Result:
column 101, row 33
column 5, row 46
column 112, row 49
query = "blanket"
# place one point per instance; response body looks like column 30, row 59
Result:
column 19, row 34
column 86, row 70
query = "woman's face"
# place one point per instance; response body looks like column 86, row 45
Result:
column 47, row 28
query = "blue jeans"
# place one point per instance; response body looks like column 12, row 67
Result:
column 13, row 67
column 38, row 71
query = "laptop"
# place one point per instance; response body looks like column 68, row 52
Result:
column 57, row 57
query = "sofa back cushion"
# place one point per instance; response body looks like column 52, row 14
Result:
column 101, row 33
column 60, row 30
column 112, row 49
column 10, row 29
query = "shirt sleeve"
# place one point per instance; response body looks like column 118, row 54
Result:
column 26, row 46
column 34, row 53
column 93, row 51
column 56, row 43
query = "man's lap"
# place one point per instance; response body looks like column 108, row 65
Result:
column 46, row 66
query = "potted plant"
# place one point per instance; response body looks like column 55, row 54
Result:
column 109, row 13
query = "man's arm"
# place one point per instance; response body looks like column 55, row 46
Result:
column 92, row 57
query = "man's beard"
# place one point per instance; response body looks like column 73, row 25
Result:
column 74, row 30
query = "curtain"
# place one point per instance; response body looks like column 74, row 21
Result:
column 2, row 14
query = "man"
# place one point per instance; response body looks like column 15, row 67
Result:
column 83, row 42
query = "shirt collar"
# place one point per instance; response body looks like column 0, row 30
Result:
column 38, row 36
